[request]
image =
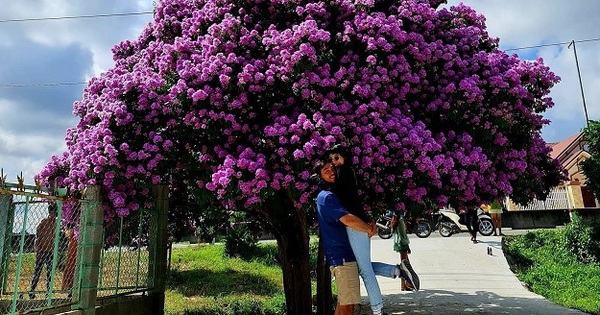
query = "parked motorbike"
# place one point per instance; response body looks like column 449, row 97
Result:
column 387, row 223
column 449, row 223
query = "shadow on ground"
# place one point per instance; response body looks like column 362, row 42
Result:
column 200, row 282
column 440, row 302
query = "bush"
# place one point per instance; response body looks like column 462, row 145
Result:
column 523, row 250
column 513, row 251
column 267, row 254
column 249, row 307
column 241, row 241
column 313, row 252
column 583, row 240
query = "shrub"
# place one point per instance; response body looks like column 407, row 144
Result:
column 267, row 254
column 513, row 248
column 583, row 240
column 314, row 252
column 246, row 307
column 241, row 241
column 543, row 263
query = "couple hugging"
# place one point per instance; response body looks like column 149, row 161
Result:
column 345, row 231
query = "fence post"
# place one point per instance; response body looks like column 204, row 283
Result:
column 6, row 226
column 157, row 266
column 88, row 252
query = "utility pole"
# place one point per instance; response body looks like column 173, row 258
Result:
column 587, row 120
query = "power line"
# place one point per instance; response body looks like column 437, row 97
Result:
column 585, row 40
column 70, row 17
column 537, row 46
column 555, row 44
column 104, row 15
column 50, row 84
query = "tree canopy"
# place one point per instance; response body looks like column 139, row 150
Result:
column 242, row 96
column 238, row 98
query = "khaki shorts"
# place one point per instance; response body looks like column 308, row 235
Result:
column 346, row 279
column 496, row 216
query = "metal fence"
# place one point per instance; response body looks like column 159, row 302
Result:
column 558, row 198
column 45, row 244
column 33, row 251
column 125, row 255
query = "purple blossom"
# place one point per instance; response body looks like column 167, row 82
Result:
column 429, row 106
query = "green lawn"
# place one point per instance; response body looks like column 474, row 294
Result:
column 541, row 260
column 203, row 280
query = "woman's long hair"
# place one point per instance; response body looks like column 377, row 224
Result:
column 339, row 149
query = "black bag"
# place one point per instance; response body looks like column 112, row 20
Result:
column 462, row 218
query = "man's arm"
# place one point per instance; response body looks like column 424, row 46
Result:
column 355, row 223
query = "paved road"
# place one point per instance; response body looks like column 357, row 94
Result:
column 458, row 277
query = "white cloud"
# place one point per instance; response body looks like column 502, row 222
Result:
column 33, row 121
column 540, row 22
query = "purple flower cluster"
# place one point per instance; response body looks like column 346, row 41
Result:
column 242, row 97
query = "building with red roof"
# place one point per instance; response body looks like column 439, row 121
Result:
column 571, row 194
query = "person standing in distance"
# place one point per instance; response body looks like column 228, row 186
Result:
column 495, row 210
column 44, row 246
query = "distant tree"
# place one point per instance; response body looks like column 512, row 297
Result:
column 591, row 166
column 231, row 102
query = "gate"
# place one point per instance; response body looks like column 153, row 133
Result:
column 558, row 199
column 57, row 254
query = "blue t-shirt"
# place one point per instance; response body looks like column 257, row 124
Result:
column 333, row 232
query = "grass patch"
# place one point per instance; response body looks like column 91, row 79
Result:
column 541, row 260
column 203, row 281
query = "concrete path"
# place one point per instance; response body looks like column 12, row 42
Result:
column 458, row 277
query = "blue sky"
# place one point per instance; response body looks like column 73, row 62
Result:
column 33, row 118
column 530, row 23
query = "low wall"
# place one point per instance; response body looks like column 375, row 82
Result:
column 531, row 219
column 130, row 305
column 115, row 305
column 589, row 214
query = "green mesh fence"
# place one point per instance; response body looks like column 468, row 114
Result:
column 39, row 266
column 124, row 257
column 37, row 257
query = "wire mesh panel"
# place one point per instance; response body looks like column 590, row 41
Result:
column 36, row 251
column 50, row 251
column 558, row 198
column 125, row 255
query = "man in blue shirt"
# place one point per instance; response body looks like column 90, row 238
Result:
column 333, row 219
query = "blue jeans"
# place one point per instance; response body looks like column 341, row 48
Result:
column 361, row 246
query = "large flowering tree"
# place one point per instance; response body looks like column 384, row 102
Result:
column 239, row 97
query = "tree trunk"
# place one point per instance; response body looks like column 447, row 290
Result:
column 324, row 296
column 291, row 231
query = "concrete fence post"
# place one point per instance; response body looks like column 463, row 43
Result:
column 88, row 252
column 6, row 225
column 157, row 266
